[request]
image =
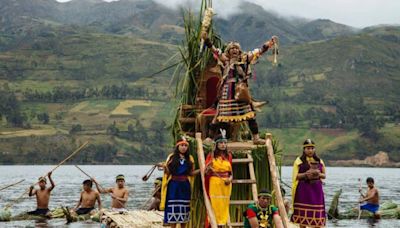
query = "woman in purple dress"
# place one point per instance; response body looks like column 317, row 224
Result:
column 307, row 192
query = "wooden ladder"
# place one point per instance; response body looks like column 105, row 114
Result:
column 249, row 160
column 187, row 119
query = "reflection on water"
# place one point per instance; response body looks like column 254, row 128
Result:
column 68, row 180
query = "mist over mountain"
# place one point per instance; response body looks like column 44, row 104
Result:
column 329, row 75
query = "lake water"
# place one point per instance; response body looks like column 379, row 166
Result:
column 68, row 180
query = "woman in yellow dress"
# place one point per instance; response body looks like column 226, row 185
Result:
column 219, row 175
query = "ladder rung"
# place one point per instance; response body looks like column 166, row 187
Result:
column 244, row 181
column 236, row 224
column 241, row 202
column 186, row 107
column 242, row 160
column 187, row 119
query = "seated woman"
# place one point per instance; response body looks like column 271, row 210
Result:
column 307, row 192
column 236, row 69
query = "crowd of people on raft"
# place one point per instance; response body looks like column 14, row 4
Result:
column 174, row 191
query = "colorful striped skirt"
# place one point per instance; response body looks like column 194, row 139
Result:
column 230, row 110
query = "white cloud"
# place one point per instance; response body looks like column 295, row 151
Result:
column 357, row 13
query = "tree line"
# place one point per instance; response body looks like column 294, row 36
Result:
column 62, row 94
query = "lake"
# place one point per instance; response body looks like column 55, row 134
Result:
column 68, row 180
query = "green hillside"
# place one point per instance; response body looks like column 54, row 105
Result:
column 71, row 72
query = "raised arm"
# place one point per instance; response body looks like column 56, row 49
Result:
column 100, row 189
column 32, row 191
column 51, row 181
column 253, row 55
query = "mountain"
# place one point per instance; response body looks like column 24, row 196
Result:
column 321, row 29
column 327, row 74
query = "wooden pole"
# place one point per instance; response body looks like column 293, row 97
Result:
column 148, row 174
column 158, row 187
column 59, row 164
column 70, row 156
column 201, row 160
column 10, row 185
column 359, row 204
column 275, row 180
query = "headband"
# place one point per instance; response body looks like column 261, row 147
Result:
column 182, row 142
column 264, row 194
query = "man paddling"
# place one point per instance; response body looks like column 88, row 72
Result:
column 86, row 203
column 87, row 200
column 371, row 198
column 119, row 193
column 42, row 196
column 156, row 197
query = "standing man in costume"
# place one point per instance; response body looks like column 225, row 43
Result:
column 119, row 193
column 219, row 178
column 42, row 196
column 177, row 185
column 236, row 70
column 262, row 213
column 371, row 198
column 307, row 192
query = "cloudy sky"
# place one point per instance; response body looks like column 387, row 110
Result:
column 357, row 13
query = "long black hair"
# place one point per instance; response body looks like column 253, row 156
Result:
column 174, row 161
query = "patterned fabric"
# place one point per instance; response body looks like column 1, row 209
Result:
column 230, row 110
column 264, row 217
column 309, row 201
column 177, row 205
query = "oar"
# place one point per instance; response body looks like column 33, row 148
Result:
column 359, row 203
column 59, row 164
column 148, row 174
column 98, row 184
column 10, row 185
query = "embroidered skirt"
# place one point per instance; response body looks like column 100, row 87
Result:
column 230, row 110
column 309, row 204
column 177, row 205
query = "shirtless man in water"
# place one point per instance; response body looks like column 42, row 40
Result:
column 371, row 198
column 42, row 196
column 119, row 193
column 88, row 200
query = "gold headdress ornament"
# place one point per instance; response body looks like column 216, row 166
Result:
column 231, row 45
column 308, row 142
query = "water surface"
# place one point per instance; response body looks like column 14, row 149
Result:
column 68, row 180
